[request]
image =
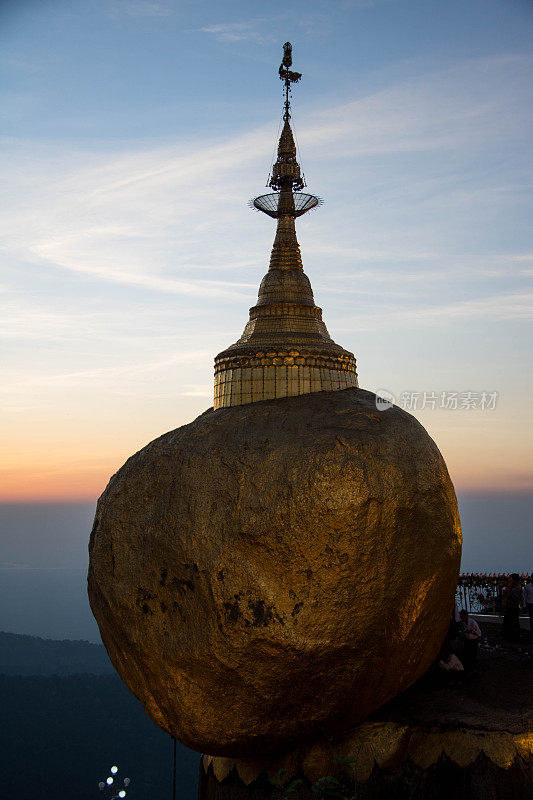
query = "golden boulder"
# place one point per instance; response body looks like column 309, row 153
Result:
column 273, row 572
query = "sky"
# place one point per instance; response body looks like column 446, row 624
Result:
column 135, row 132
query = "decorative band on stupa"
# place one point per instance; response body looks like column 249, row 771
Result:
column 285, row 349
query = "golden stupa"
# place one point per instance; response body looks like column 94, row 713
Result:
column 286, row 563
column 285, row 349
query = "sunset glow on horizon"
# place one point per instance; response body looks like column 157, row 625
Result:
column 130, row 257
column 475, row 447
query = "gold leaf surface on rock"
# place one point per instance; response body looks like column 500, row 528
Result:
column 272, row 573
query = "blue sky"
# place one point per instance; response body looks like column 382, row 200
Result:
column 134, row 134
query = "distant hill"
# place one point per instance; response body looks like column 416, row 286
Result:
column 31, row 655
column 67, row 718
column 60, row 735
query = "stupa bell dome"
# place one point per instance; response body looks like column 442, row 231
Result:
column 285, row 349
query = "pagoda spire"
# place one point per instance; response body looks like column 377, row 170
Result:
column 285, row 349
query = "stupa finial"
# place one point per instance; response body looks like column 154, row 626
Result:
column 285, row 349
column 286, row 173
column 288, row 77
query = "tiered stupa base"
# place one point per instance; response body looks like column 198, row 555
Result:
column 268, row 374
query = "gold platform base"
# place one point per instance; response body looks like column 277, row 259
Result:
column 388, row 745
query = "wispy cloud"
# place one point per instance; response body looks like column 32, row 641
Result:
column 118, row 373
column 249, row 30
column 520, row 257
column 472, row 103
column 363, row 4
column 390, row 314
column 507, row 306
column 141, row 8
column 26, row 66
column 148, row 218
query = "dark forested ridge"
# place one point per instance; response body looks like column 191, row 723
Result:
column 60, row 734
column 31, row 655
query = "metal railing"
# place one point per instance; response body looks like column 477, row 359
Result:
column 482, row 593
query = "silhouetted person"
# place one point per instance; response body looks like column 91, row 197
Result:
column 511, row 614
column 470, row 633
column 528, row 602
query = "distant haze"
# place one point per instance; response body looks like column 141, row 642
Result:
column 43, row 558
